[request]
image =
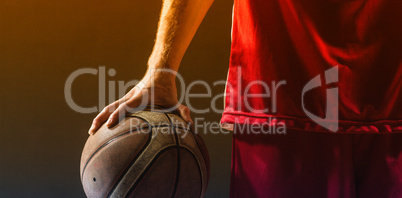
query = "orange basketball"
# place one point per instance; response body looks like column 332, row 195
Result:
column 148, row 154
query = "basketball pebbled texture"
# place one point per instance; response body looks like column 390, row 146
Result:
column 148, row 154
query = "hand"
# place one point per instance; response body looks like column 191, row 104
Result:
column 165, row 94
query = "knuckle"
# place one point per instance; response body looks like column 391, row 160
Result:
column 95, row 122
column 122, row 106
column 105, row 108
column 186, row 110
column 99, row 117
column 112, row 117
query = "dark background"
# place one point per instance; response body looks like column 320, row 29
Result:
column 43, row 42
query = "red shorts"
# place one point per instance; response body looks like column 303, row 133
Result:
column 313, row 164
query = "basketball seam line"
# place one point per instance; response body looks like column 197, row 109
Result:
column 150, row 164
column 178, row 156
column 110, row 141
column 153, row 161
column 124, row 173
column 133, row 160
column 123, row 134
column 205, row 162
column 107, row 143
column 148, row 141
column 198, row 165
column 147, row 169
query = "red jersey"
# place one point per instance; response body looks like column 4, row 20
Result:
column 281, row 46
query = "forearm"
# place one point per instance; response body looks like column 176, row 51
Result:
column 178, row 23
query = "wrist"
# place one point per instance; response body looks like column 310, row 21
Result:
column 163, row 61
column 160, row 76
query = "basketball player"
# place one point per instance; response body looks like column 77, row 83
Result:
column 346, row 53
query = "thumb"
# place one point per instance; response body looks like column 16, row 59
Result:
column 184, row 112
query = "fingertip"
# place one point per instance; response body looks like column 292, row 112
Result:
column 188, row 119
column 191, row 121
column 109, row 122
column 92, row 129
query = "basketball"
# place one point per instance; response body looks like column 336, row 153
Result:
column 150, row 153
